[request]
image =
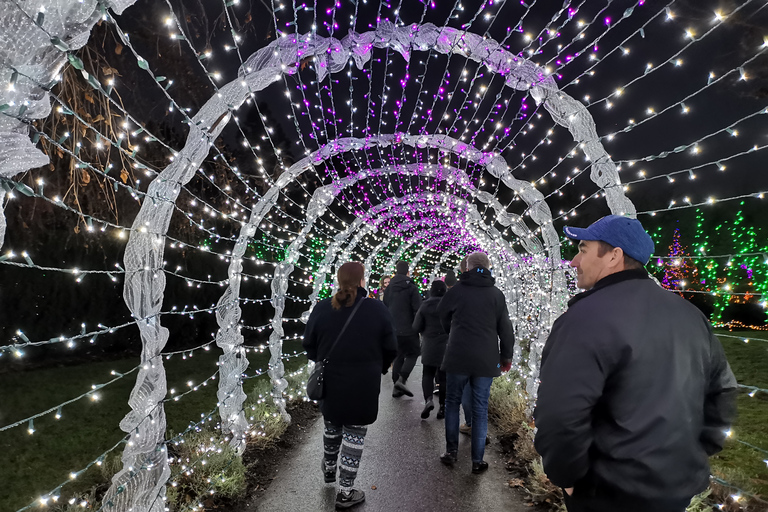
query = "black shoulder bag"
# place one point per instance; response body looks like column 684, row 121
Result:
column 315, row 389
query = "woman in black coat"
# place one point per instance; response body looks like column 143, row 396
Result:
column 433, row 341
column 352, row 375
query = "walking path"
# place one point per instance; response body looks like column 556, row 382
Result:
column 400, row 468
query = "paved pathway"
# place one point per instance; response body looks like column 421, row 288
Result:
column 400, row 460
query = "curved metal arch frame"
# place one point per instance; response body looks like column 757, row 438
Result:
column 145, row 285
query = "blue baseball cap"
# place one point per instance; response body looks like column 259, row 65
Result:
column 618, row 231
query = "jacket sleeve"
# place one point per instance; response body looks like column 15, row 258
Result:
column 505, row 331
column 388, row 341
column 310, row 341
column 720, row 401
column 573, row 373
column 445, row 310
column 415, row 299
column 418, row 321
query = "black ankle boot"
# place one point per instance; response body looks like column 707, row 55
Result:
column 428, row 406
column 400, row 386
column 441, row 412
column 449, row 458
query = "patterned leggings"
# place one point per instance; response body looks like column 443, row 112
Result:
column 348, row 438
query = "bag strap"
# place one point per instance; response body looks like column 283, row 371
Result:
column 354, row 310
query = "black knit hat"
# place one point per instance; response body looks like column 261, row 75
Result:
column 438, row 288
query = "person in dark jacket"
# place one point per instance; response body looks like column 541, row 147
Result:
column 450, row 279
column 433, row 341
column 352, row 374
column 466, row 395
column 480, row 341
column 635, row 389
column 403, row 300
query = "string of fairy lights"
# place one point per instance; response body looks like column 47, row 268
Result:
column 403, row 231
column 53, row 495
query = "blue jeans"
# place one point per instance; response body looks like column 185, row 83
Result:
column 480, row 388
column 466, row 404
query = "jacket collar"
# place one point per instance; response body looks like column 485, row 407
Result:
column 401, row 281
column 477, row 277
column 618, row 277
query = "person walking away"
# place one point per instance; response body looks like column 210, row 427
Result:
column 403, row 300
column 450, row 279
column 433, row 341
column 466, row 395
column 635, row 390
column 351, row 376
column 480, row 342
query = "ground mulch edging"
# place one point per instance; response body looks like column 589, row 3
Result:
column 262, row 465
column 519, row 475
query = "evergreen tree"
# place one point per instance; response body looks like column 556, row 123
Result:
column 679, row 271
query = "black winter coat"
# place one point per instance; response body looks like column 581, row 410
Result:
column 635, row 393
column 474, row 314
column 352, row 377
column 433, row 336
column 403, row 300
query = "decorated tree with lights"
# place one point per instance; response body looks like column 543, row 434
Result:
column 679, row 271
column 736, row 273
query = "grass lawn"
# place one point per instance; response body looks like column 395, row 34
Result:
column 35, row 464
column 737, row 463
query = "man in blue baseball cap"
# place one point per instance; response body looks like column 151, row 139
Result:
column 635, row 390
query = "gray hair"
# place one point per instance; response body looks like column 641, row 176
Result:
column 478, row 259
column 463, row 265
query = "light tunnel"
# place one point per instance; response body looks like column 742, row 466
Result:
column 413, row 206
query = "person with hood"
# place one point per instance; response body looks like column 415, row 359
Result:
column 480, row 343
column 403, row 300
column 351, row 376
column 433, row 340
column 635, row 390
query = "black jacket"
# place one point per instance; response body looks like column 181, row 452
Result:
column 635, row 393
column 352, row 376
column 474, row 314
column 433, row 336
column 403, row 300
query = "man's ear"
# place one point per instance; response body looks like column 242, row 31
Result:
column 617, row 258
